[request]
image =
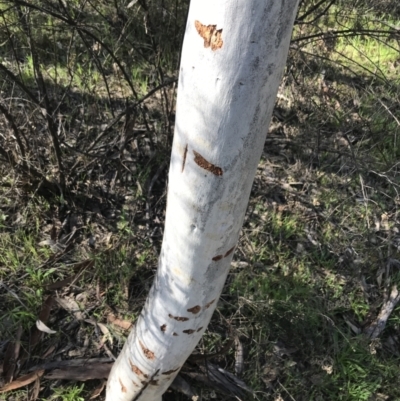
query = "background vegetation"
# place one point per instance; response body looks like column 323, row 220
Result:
column 86, row 123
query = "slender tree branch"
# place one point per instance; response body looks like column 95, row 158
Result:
column 47, row 112
column 129, row 109
column 28, row 171
column 7, row 156
column 347, row 32
column 157, row 64
column 74, row 24
column 96, row 60
column 312, row 9
column 15, row 129
column 323, row 12
column 17, row 82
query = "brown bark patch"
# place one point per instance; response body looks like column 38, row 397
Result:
column 147, row 353
column 175, row 334
column 209, row 304
column 189, row 331
column 229, row 252
column 136, row 369
column 179, row 318
column 163, row 328
column 123, row 388
column 206, row 165
column 168, row 372
column 217, row 258
column 211, row 35
column 199, row 329
column 153, row 382
column 184, row 157
column 195, row 309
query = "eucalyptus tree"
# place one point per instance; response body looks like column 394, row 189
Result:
column 233, row 58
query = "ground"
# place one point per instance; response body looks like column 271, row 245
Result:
column 319, row 255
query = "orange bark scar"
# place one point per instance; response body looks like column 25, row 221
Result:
column 209, row 304
column 147, row 353
column 203, row 163
column 123, row 388
column 135, row 369
column 179, row 318
column 211, row 35
column 195, row 309
column 229, row 252
column 184, row 157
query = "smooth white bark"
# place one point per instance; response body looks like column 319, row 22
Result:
column 233, row 59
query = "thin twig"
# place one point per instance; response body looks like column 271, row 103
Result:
column 347, row 32
column 312, row 9
column 127, row 110
column 47, row 111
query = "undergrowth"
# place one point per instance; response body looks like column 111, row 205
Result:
column 319, row 251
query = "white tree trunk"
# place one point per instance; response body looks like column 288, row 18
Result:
column 233, row 58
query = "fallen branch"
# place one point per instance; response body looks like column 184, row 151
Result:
column 375, row 329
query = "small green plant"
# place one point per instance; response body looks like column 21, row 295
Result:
column 68, row 393
column 124, row 225
column 3, row 218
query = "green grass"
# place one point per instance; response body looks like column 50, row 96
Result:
column 366, row 53
column 68, row 393
column 303, row 305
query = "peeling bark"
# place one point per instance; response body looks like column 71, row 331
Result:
column 232, row 62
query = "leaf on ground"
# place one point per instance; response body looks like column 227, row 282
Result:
column 106, row 332
column 22, row 381
column 81, row 373
column 62, row 283
column 181, row 385
column 352, row 326
column 11, row 357
column 79, row 268
column 239, row 356
column 35, row 333
column 71, row 306
column 42, row 327
column 56, row 247
column 123, row 324
column 46, row 308
column 132, row 3
column 49, row 351
column 103, row 328
column 98, row 390
column 34, row 393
